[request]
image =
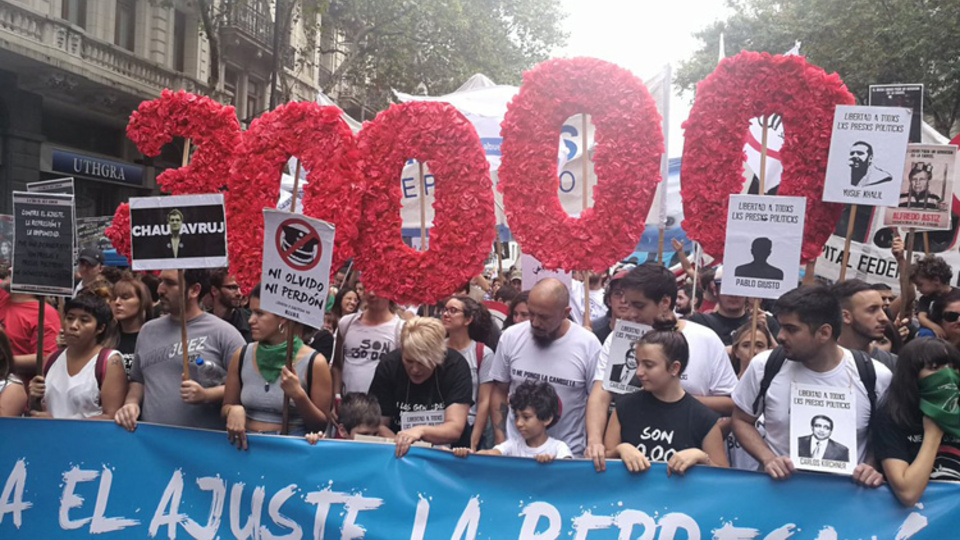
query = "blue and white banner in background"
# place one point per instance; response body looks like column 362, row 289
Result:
column 71, row 479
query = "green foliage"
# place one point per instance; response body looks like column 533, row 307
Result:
column 399, row 44
column 865, row 41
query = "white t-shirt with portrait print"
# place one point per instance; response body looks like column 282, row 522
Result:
column 518, row 448
column 708, row 372
column 776, row 409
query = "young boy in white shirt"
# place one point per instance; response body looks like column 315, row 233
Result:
column 536, row 407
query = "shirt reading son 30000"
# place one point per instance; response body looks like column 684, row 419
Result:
column 188, row 231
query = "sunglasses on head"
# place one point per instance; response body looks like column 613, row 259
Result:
column 951, row 316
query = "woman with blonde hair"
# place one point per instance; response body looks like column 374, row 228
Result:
column 424, row 388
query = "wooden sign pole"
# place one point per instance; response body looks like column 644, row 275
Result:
column 285, row 425
column 182, row 284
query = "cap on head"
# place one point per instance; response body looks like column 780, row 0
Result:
column 91, row 256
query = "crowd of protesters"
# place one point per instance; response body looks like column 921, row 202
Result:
column 506, row 368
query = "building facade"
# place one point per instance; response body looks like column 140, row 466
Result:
column 72, row 71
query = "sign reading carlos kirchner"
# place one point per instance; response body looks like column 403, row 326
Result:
column 764, row 240
column 867, row 150
column 184, row 231
column 823, row 428
column 297, row 251
column 43, row 243
column 622, row 358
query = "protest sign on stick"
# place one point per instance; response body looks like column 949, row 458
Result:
column 43, row 248
column 867, row 151
column 909, row 96
column 926, row 189
column 532, row 271
column 867, row 144
column 764, row 236
column 622, row 359
column 823, row 428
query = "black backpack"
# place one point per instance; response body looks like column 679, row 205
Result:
column 865, row 367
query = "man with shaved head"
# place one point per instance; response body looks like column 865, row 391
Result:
column 547, row 348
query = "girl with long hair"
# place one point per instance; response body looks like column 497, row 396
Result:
column 916, row 432
column 684, row 431
column 468, row 324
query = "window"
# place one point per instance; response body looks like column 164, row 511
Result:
column 231, row 84
column 75, row 11
column 125, row 28
column 179, row 41
column 255, row 91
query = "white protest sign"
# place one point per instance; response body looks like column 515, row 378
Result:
column 867, row 151
column 44, row 243
column 622, row 360
column 823, row 428
column 533, row 272
column 926, row 191
column 296, row 266
column 764, row 239
column 57, row 185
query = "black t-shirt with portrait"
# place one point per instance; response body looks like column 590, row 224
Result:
column 891, row 441
column 450, row 384
column 127, row 344
column 660, row 429
column 725, row 327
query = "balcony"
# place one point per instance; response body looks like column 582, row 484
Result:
column 45, row 51
column 251, row 21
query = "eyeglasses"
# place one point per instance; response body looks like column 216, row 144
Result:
column 450, row 310
column 951, row 316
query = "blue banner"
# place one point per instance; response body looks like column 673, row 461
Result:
column 71, row 479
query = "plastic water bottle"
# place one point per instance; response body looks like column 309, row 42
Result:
column 209, row 374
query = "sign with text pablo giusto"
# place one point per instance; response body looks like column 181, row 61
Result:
column 183, row 231
column 823, row 428
column 764, row 239
column 622, row 358
column 926, row 191
column 867, row 150
column 297, row 251
column 44, row 243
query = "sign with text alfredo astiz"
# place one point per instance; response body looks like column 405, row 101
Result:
column 179, row 232
column 43, row 247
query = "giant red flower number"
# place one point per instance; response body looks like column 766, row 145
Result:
column 743, row 87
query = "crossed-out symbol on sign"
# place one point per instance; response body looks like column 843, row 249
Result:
column 298, row 244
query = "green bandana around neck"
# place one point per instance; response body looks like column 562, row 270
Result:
column 938, row 400
column 272, row 358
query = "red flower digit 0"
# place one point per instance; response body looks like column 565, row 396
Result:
column 629, row 143
column 212, row 128
column 463, row 229
column 743, row 87
column 327, row 149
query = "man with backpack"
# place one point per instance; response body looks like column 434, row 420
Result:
column 810, row 323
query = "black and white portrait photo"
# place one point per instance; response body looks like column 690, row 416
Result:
column 819, row 445
column 759, row 268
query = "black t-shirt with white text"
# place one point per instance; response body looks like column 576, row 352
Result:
column 725, row 327
column 450, row 384
column 891, row 441
column 660, row 429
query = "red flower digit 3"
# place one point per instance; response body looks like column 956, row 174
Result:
column 211, row 127
column 463, row 229
column 328, row 152
column 627, row 162
column 743, row 87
